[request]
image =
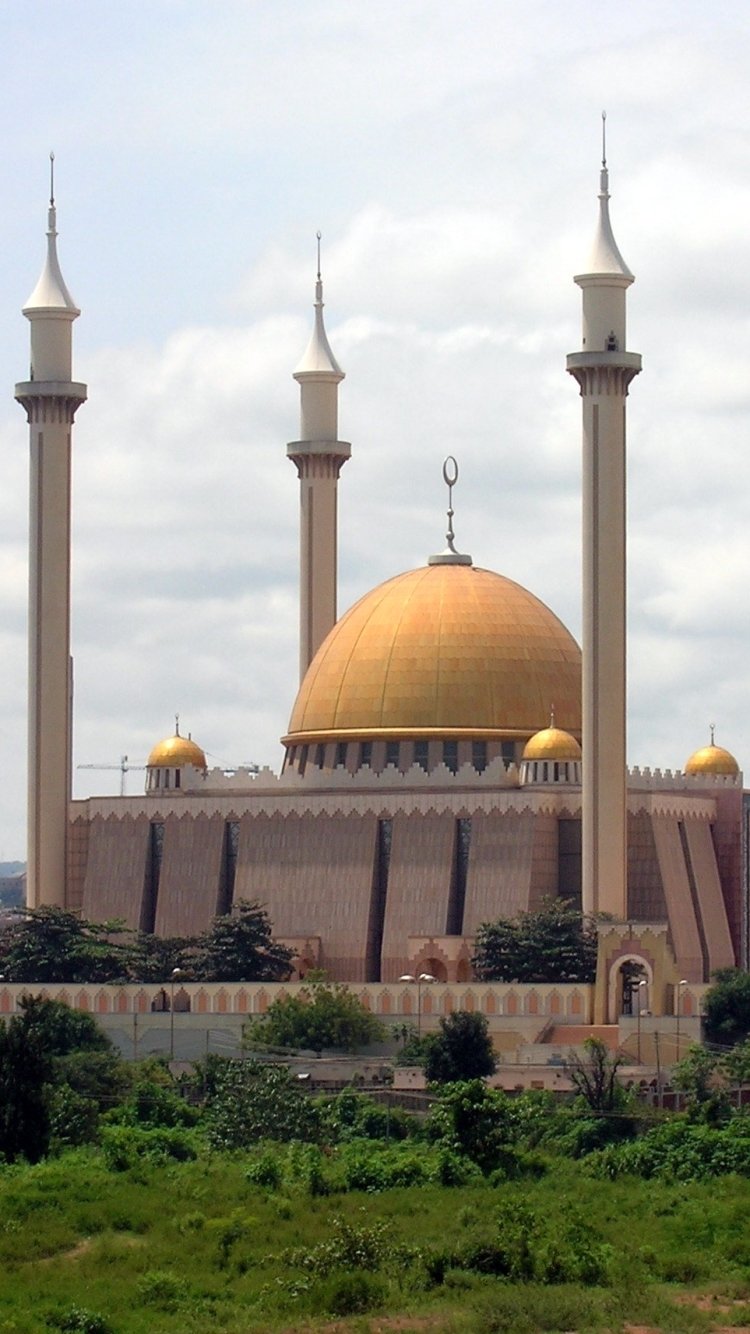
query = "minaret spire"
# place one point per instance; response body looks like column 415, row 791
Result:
column 50, row 398
column 603, row 371
column 319, row 457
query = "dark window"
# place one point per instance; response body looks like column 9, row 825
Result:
column 365, row 753
column 479, row 755
column 421, row 754
column 392, row 749
column 303, row 760
column 450, row 755
column 320, row 756
column 341, row 752
column 177, row 778
column 166, row 777
column 508, row 751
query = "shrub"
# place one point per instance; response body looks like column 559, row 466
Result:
column 124, row 1146
column 343, row 1294
column 251, row 1102
column 161, row 1289
column 77, row 1320
column 265, row 1171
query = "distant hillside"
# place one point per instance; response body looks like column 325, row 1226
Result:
column 12, row 885
column 11, row 868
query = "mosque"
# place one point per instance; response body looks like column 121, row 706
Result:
column 452, row 757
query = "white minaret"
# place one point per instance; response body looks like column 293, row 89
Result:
column 50, row 398
column 319, row 457
column 603, row 371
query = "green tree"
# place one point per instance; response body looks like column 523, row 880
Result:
column 726, row 1007
column 461, row 1050
column 251, row 1102
column 24, row 1109
column 594, row 1076
column 554, row 944
column 477, row 1121
column 239, row 947
column 701, row 1077
column 57, row 945
column 60, row 1029
column 323, row 1017
column 154, row 958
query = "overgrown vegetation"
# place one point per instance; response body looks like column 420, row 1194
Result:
column 236, row 1201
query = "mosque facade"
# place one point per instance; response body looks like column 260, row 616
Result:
column 452, row 757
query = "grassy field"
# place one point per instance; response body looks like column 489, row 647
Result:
column 198, row 1246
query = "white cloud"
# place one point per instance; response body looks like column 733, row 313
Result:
column 450, row 158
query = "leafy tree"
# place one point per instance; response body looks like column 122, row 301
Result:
column 154, row 958
column 461, row 1050
column 251, row 1102
column 24, row 1112
column 239, row 947
column 555, row 944
column 57, row 945
column 594, row 1076
column 60, row 1029
column 477, row 1121
column 701, row 1076
column 726, row 1007
column 325, row 1016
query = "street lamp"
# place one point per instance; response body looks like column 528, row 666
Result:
column 419, row 981
column 678, row 1010
column 175, row 977
column 639, row 992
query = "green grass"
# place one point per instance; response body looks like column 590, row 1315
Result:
column 194, row 1246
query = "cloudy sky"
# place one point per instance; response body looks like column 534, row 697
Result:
column 449, row 155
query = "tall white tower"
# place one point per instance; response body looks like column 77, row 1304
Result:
column 604, row 370
column 50, row 398
column 319, row 457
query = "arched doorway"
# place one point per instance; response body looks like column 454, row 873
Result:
column 630, row 985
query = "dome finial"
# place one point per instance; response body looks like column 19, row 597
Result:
column 52, row 180
column 712, row 730
column 177, row 724
column 604, row 140
column 318, row 234
column 450, row 556
column 552, row 715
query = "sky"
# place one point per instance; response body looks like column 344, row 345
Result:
column 449, row 155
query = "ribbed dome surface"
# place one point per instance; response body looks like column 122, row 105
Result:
column 442, row 650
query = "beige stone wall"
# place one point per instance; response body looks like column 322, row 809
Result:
column 315, row 877
column 419, row 886
column 500, row 863
column 190, row 879
column 116, row 869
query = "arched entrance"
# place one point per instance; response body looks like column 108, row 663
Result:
column 631, row 980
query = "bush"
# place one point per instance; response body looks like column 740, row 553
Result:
column 77, row 1320
column 681, row 1151
column 161, row 1289
column 123, row 1147
column 343, row 1294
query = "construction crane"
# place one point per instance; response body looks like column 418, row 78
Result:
column 124, row 767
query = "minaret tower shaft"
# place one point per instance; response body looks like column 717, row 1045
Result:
column 50, row 398
column 319, row 457
column 603, row 371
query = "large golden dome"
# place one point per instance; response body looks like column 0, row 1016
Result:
column 447, row 650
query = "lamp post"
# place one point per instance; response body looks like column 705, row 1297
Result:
column 678, row 1010
column 175, row 977
column 639, row 992
column 419, row 981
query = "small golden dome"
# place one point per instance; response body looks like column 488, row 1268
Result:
column 552, row 744
column 174, row 752
column 445, row 650
column 712, row 760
